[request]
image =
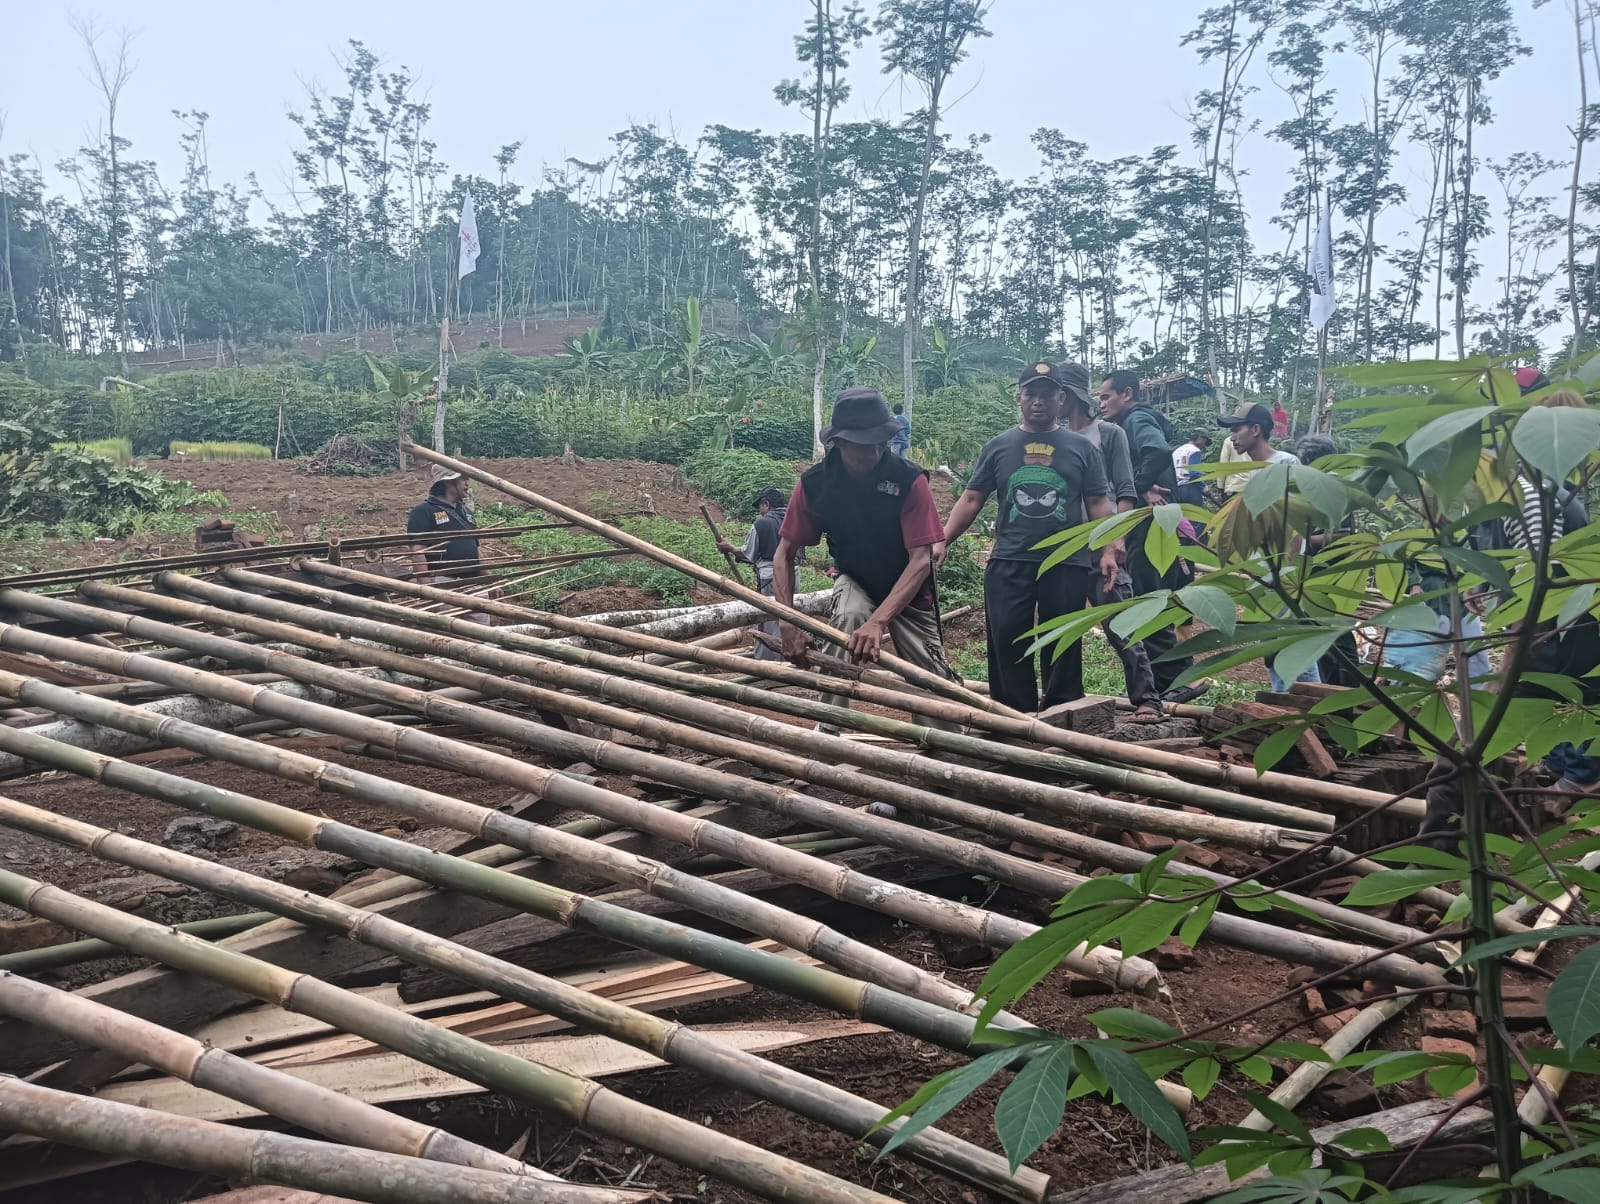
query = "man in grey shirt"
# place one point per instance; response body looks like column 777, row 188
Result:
column 1112, row 441
column 1048, row 480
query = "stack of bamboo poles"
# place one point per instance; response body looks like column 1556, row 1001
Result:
column 236, row 659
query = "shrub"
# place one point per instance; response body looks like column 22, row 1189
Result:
column 734, row 478
column 786, row 436
column 118, row 451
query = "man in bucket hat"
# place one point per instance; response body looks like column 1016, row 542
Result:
column 452, row 549
column 882, row 526
column 1048, row 480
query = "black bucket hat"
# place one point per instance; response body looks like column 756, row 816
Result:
column 860, row 415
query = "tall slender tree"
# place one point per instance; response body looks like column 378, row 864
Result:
column 924, row 41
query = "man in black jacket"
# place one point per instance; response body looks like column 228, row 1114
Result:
column 760, row 546
column 878, row 515
column 1154, row 479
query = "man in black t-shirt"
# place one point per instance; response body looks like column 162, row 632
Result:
column 1048, row 479
column 446, row 556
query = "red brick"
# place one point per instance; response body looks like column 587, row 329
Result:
column 1326, row 1026
column 1449, row 1045
column 1456, row 1025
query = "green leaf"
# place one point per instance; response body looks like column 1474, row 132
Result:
column 1017, row 970
column 1523, row 940
column 1446, row 427
column 1030, row 1109
column 1266, row 488
column 1257, row 1069
column 1094, row 893
column 1581, row 1185
column 1364, row 1141
column 1201, row 1075
column 1387, row 886
column 1574, row 999
column 1421, row 854
column 1194, row 927
column 1577, row 603
column 1212, row 606
column 1131, row 1025
column 1161, row 546
column 1280, row 1116
column 1148, row 926
column 1140, row 613
column 1324, row 491
column 1276, row 746
column 1139, row 1095
column 1301, row 655
column 1555, row 441
column 1408, row 616
column 939, row 1095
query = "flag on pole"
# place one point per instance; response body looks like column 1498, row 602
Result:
column 1322, row 298
column 469, row 238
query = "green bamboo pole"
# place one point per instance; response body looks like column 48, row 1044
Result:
column 71, row 953
column 664, row 1039
column 762, row 918
column 225, row 1152
column 339, row 1117
column 1107, row 776
column 900, row 697
column 932, row 682
column 758, row 734
column 577, row 1100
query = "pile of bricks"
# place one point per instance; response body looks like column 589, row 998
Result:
column 218, row 535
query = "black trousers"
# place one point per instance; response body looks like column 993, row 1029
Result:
column 1146, row 579
column 1016, row 599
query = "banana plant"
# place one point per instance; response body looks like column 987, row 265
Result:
column 402, row 391
column 586, row 354
column 946, row 366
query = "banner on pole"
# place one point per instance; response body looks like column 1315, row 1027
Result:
column 1322, row 296
column 469, row 238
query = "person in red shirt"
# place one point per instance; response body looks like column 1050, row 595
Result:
column 1280, row 421
column 884, row 535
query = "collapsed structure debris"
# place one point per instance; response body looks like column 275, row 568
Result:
column 684, row 824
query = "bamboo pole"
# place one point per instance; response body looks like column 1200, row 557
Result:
column 733, row 563
column 71, row 953
column 1303, row 1080
column 813, row 984
column 912, row 673
column 577, row 1100
column 758, row 735
column 339, row 1117
column 1102, row 756
column 670, row 1041
column 227, row 1152
column 1005, row 787
column 764, row 919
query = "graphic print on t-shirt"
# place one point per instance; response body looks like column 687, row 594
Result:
column 1036, row 490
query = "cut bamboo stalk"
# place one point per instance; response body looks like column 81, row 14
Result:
column 759, row 734
column 1222, row 802
column 579, row 1101
column 764, row 919
column 222, row 1151
column 1303, row 1080
column 341, row 1118
column 72, row 953
column 912, row 673
column 1099, row 749
column 900, row 764
column 672, row 1042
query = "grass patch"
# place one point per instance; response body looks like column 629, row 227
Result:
column 178, row 450
column 119, row 451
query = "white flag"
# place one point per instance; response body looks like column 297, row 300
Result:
column 469, row 238
column 1322, row 298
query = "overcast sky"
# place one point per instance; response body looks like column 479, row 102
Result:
column 561, row 77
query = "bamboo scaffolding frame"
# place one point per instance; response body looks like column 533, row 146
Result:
column 918, row 676
column 646, row 703
column 576, row 1099
column 763, row 919
column 339, row 1117
column 226, row 1152
column 1033, row 730
column 672, row 1042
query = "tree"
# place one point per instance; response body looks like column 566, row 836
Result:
column 1454, row 444
column 925, row 40
column 823, row 47
column 111, row 73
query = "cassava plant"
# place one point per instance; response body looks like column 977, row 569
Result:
column 1456, row 455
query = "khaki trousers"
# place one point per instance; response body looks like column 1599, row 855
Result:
column 915, row 632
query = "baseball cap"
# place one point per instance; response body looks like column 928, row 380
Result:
column 1042, row 370
column 1249, row 413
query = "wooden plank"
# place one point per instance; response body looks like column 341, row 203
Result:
column 391, row 1077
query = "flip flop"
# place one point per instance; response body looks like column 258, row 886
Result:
column 1186, row 693
column 1147, row 714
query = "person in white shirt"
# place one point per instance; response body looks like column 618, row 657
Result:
column 1184, row 458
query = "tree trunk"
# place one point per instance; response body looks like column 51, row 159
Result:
column 1463, row 225
column 908, row 351
column 1579, row 137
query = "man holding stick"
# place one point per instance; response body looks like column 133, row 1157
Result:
column 883, row 531
column 760, row 546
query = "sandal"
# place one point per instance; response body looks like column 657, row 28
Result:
column 1145, row 713
column 1187, row 693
